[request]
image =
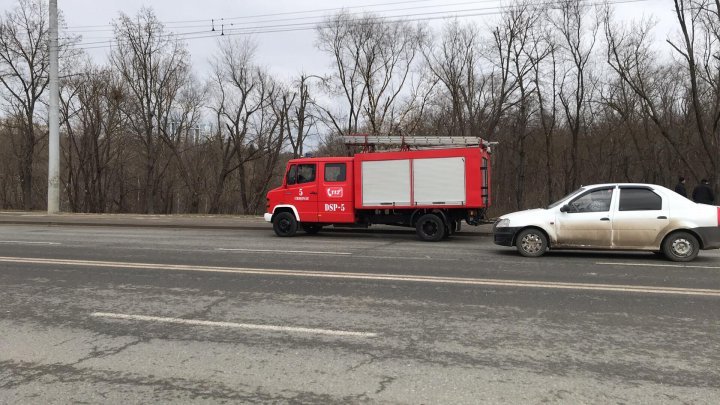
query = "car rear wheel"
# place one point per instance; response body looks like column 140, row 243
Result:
column 681, row 247
column 430, row 228
column 284, row 224
column 531, row 243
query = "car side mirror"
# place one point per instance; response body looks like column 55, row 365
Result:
column 565, row 208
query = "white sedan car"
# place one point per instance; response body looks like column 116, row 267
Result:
column 616, row 217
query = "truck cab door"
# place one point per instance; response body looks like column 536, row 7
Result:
column 335, row 203
column 302, row 190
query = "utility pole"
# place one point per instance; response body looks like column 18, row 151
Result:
column 54, row 116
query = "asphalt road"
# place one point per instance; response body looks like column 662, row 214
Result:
column 140, row 315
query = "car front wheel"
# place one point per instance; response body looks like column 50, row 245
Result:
column 531, row 243
column 681, row 247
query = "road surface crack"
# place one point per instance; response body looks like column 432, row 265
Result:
column 384, row 383
column 202, row 314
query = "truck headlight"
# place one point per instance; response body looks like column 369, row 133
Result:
column 502, row 223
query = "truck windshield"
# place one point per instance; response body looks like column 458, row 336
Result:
column 556, row 203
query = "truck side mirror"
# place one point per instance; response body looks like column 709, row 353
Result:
column 565, row 208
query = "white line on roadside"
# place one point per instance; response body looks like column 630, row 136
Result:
column 307, row 252
column 197, row 322
column 22, row 242
column 679, row 266
column 376, row 277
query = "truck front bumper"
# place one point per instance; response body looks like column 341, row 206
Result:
column 505, row 236
column 268, row 217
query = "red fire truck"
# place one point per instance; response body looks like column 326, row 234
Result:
column 444, row 181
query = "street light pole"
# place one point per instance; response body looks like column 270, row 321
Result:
column 54, row 117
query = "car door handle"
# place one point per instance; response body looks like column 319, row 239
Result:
column 604, row 219
column 662, row 217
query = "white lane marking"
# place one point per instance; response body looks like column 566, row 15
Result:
column 22, row 242
column 197, row 322
column 680, row 266
column 377, row 277
column 308, row 252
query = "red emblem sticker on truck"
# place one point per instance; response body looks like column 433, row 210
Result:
column 335, row 192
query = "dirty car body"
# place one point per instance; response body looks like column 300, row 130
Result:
column 624, row 216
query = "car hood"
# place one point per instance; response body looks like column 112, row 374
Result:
column 528, row 217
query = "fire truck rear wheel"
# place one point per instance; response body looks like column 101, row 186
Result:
column 284, row 224
column 311, row 229
column 430, row 228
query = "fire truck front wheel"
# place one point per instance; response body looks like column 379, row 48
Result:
column 284, row 224
column 430, row 228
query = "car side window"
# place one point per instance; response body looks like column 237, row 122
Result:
column 306, row 173
column 335, row 172
column 292, row 175
column 594, row 201
column 639, row 199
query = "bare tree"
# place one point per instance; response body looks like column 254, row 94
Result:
column 578, row 37
column 630, row 54
column 91, row 108
column 244, row 109
column 181, row 137
column 154, row 66
column 373, row 59
column 454, row 62
column 699, row 48
column 24, row 78
column 543, row 59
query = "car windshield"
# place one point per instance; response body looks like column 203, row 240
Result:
column 556, row 203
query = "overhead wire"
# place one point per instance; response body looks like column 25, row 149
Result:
column 311, row 25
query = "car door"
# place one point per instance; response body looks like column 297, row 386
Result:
column 586, row 220
column 302, row 190
column 641, row 216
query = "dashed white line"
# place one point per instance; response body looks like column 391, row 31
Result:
column 640, row 289
column 197, row 322
column 307, row 252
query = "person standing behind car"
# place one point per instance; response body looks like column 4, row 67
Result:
column 703, row 194
column 680, row 187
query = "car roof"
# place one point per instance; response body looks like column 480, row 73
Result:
column 623, row 185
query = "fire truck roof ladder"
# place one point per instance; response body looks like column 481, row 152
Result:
column 369, row 142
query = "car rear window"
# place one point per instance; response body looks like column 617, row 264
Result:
column 639, row 199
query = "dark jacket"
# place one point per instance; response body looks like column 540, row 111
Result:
column 680, row 189
column 703, row 194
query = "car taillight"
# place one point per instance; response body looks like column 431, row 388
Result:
column 718, row 216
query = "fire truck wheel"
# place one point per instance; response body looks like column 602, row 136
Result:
column 311, row 229
column 532, row 243
column 284, row 224
column 430, row 228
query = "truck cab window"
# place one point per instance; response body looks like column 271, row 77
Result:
column 306, row 174
column 335, row 172
column 292, row 175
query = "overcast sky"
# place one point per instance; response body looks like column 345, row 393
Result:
column 290, row 52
